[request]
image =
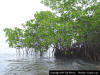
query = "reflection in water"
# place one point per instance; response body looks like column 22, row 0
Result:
column 12, row 64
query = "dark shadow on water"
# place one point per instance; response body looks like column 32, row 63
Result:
column 36, row 65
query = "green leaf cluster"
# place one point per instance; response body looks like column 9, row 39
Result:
column 79, row 21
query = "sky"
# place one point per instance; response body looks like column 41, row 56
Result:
column 15, row 12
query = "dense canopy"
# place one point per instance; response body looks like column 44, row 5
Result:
column 72, row 22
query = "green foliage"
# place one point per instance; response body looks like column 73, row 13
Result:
column 79, row 21
column 14, row 37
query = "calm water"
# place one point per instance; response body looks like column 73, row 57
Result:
column 14, row 64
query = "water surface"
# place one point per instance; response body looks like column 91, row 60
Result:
column 15, row 64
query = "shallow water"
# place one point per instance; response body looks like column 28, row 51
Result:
column 15, row 64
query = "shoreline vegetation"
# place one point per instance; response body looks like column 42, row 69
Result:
column 74, row 33
column 85, row 52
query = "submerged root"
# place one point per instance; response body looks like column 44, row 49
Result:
column 88, row 53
